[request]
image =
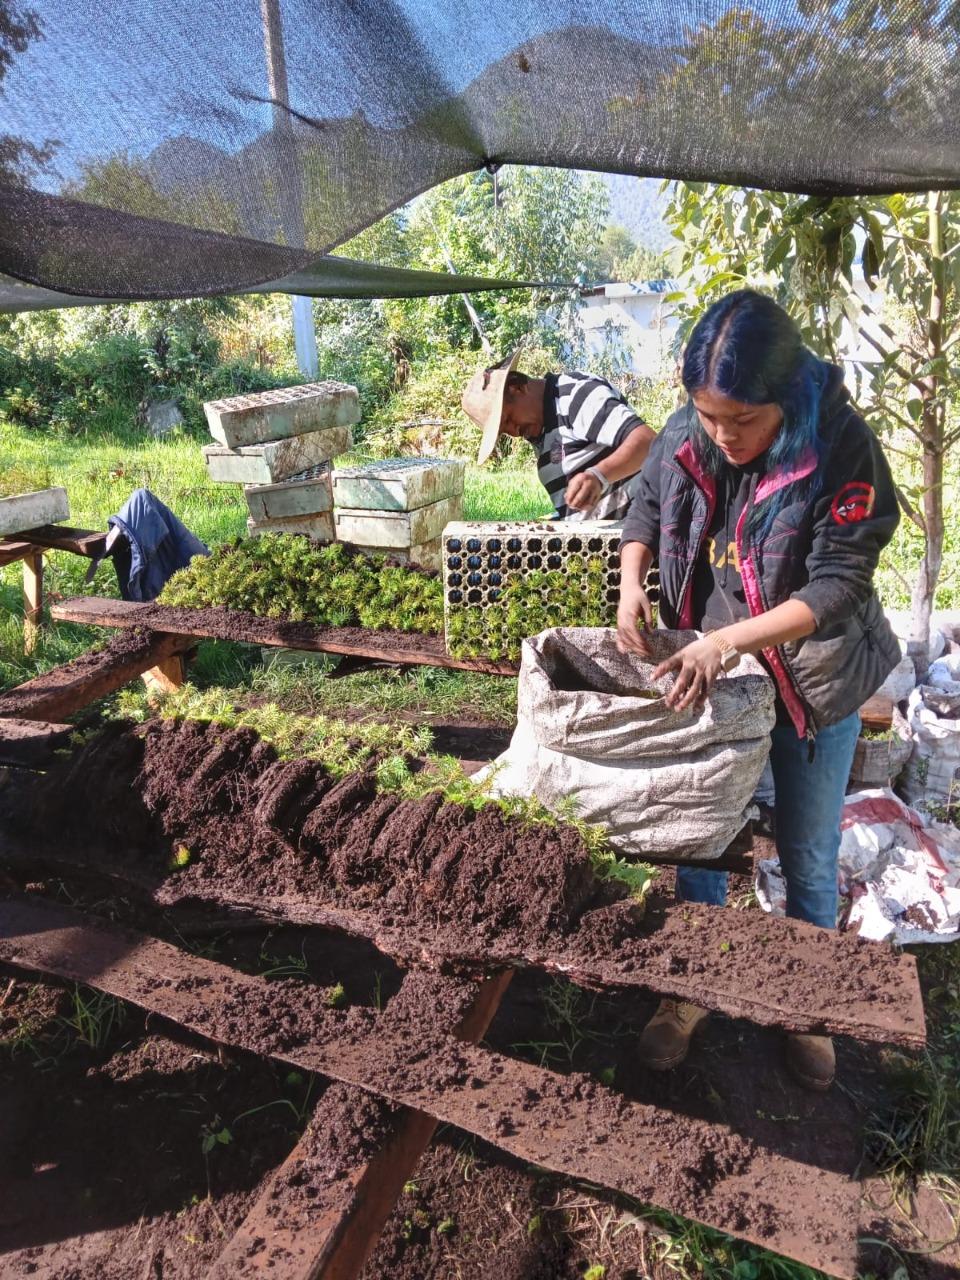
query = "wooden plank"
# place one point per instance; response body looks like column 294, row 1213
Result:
column 32, row 599
column 572, row 1126
column 676, row 951
column 399, row 648
column 877, row 712
column 59, row 693
column 12, row 550
column 30, row 743
column 330, row 1235
column 61, row 537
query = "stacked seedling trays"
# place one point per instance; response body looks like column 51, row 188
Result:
column 504, row 581
column 279, row 445
column 30, row 510
column 399, row 506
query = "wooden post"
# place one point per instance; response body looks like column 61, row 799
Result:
column 32, row 599
column 166, row 676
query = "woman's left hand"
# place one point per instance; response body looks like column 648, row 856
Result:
column 697, row 666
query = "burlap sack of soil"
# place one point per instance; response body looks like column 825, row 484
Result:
column 664, row 783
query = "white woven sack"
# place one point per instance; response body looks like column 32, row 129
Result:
column 901, row 681
column 664, row 783
column 932, row 775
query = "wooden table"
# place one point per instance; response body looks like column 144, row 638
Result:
column 29, row 547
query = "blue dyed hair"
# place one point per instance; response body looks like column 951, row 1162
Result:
column 746, row 347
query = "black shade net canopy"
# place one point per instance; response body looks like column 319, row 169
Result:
column 169, row 149
column 326, row 277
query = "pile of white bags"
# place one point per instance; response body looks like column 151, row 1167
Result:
column 901, row 681
column 899, row 878
column 664, row 783
column 931, row 780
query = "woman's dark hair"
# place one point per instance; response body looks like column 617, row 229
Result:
column 746, row 347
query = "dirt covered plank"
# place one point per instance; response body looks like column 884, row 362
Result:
column 234, row 624
column 569, row 1124
column 428, row 881
column 67, row 689
column 30, row 743
column 320, row 1215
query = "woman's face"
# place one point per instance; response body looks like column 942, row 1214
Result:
column 740, row 431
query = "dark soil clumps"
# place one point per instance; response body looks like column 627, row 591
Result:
column 228, row 811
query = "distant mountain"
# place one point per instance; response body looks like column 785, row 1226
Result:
column 637, row 204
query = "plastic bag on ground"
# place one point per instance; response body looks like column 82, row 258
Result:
column 593, row 730
column 899, row 879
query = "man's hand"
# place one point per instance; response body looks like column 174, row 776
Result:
column 697, row 666
column 634, row 608
column 583, row 492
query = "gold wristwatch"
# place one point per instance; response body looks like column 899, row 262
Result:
column 729, row 654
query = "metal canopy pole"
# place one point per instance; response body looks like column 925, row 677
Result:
column 304, row 332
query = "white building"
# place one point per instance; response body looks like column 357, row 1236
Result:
column 635, row 323
column 632, row 321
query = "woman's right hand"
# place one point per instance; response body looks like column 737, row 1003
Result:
column 634, row 608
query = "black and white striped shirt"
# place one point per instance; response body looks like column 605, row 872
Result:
column 584, row 420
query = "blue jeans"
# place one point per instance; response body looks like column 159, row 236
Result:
column 808, row 806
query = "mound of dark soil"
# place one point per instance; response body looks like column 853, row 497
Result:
column 240, row 817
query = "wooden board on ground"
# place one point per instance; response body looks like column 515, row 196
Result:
column 65, row 690
column 678, row 955
column 28, row 744
column 571, row 1125
column 401, row 648
column 330, row 1234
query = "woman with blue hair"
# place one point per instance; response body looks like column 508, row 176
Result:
column 766, row 501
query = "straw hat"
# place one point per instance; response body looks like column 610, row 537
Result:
column 482, row 401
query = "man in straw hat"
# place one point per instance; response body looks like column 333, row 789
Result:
column 589, row 442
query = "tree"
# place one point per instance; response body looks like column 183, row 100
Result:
column 19, row 159
column 616, row 247
column 124, row 182
column 804, row 249
column 525, row 223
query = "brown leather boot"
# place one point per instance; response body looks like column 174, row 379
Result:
column 811, row 1061
column 665, row 1039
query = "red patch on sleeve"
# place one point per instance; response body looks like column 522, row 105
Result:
column 853, row 503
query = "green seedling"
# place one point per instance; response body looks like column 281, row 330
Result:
column 180, row 858
column 281, row 576
column 336, row 996
column 94, row 1015
column 211, row 1136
